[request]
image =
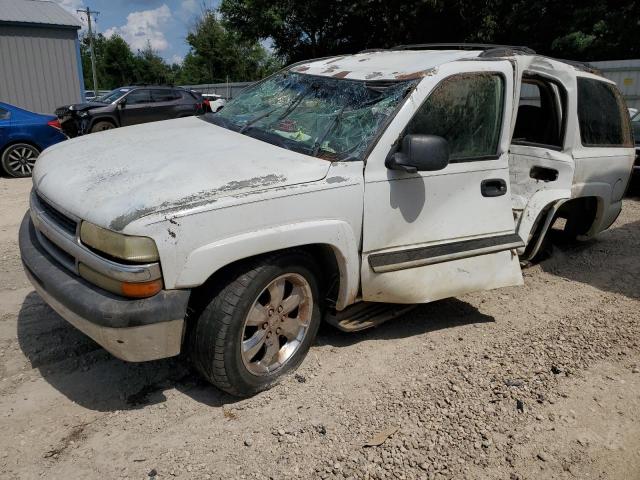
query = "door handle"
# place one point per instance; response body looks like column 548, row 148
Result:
column 493, row 187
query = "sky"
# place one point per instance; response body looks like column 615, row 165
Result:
column 164, row 23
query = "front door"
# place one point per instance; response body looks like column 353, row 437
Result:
column 432, row 235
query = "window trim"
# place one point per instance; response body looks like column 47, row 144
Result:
column 477, row 158
column 624, row 105
column 564, row 104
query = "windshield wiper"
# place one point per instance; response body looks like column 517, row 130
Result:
column 332, row 125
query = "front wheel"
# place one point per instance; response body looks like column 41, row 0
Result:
column 259, row 325
column 102, row 126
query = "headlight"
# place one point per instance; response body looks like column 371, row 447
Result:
column 83, row 114
column 125, row 247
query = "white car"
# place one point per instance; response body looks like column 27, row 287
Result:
column 336, row 186
column 215, row 102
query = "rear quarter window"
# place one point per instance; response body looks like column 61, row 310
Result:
column 602, row 115
column 4, row 114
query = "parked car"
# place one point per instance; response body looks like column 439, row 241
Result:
column 23, row 135
column 214, row 103
column 335, row 187
column 129, row 106
column 90, row 95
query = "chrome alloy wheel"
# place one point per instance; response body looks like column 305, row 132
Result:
column 21, row 159
column 276, row 324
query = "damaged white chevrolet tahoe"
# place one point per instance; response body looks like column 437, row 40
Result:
column 328, row 190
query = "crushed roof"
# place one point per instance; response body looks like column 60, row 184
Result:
column 383, row 64
column 36, row 12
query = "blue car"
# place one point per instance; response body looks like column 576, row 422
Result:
column 23, row 135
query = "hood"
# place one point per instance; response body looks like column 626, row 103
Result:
column 115, row 177
column 80, row 107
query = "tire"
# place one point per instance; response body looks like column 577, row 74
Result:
column 243, row 342
column 19, row 159
column 102, row 126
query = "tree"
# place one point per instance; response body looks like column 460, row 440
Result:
column 578, row 29
column 218, row 53
column 117, row 65
column 150, row 68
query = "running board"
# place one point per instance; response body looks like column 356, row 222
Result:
column 363, row 315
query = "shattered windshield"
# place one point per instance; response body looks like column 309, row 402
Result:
column 329, row 118
column 112, row 96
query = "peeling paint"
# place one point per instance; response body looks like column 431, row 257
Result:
column 330, row 69
column 342, row 74
column 337, row 180
column 415, row 75
column 196, row 200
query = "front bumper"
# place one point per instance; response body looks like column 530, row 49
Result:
column 132, row 330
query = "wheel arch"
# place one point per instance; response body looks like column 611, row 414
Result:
column 586, row 210
column 331, row 242
column 103, row 118
column 16, row 140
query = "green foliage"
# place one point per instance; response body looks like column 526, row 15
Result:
column 578, row 29
column 117, row 65
column 216, row 54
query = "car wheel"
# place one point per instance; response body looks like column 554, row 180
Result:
column 259, row 325
column 19, row 159
column 102, row 126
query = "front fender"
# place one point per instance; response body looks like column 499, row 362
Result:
column 337, row 234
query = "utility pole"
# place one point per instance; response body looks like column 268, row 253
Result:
column 88, row 13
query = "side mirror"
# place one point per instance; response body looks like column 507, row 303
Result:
column 420, row 153
column 122, row 103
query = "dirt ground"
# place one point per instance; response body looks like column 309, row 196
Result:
column 533, row 382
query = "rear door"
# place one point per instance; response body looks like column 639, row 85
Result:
column 164, row 102
column 432, row 235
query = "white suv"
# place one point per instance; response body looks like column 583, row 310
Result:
column 335, row 187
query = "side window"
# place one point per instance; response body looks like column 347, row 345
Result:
column 540, row 119
column 466, row 110
column 602, row 115
column 4, row 114
column 163, row 95
column 138, row 96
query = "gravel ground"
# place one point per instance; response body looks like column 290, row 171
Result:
column 533, row 382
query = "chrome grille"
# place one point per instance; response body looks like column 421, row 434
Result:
column 58, row 233
column 63, row 221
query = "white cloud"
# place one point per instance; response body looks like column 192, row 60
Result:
column 176, row 59
column 144, row 27
column 191, row 6
column 71, row 5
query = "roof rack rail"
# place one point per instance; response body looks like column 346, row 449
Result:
column 584, row 66
column 487, row 47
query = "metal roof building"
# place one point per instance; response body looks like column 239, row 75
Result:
column 40, row 65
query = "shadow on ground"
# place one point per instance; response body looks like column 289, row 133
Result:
column 444, row 314
column 88, row 375
column 610, row 262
